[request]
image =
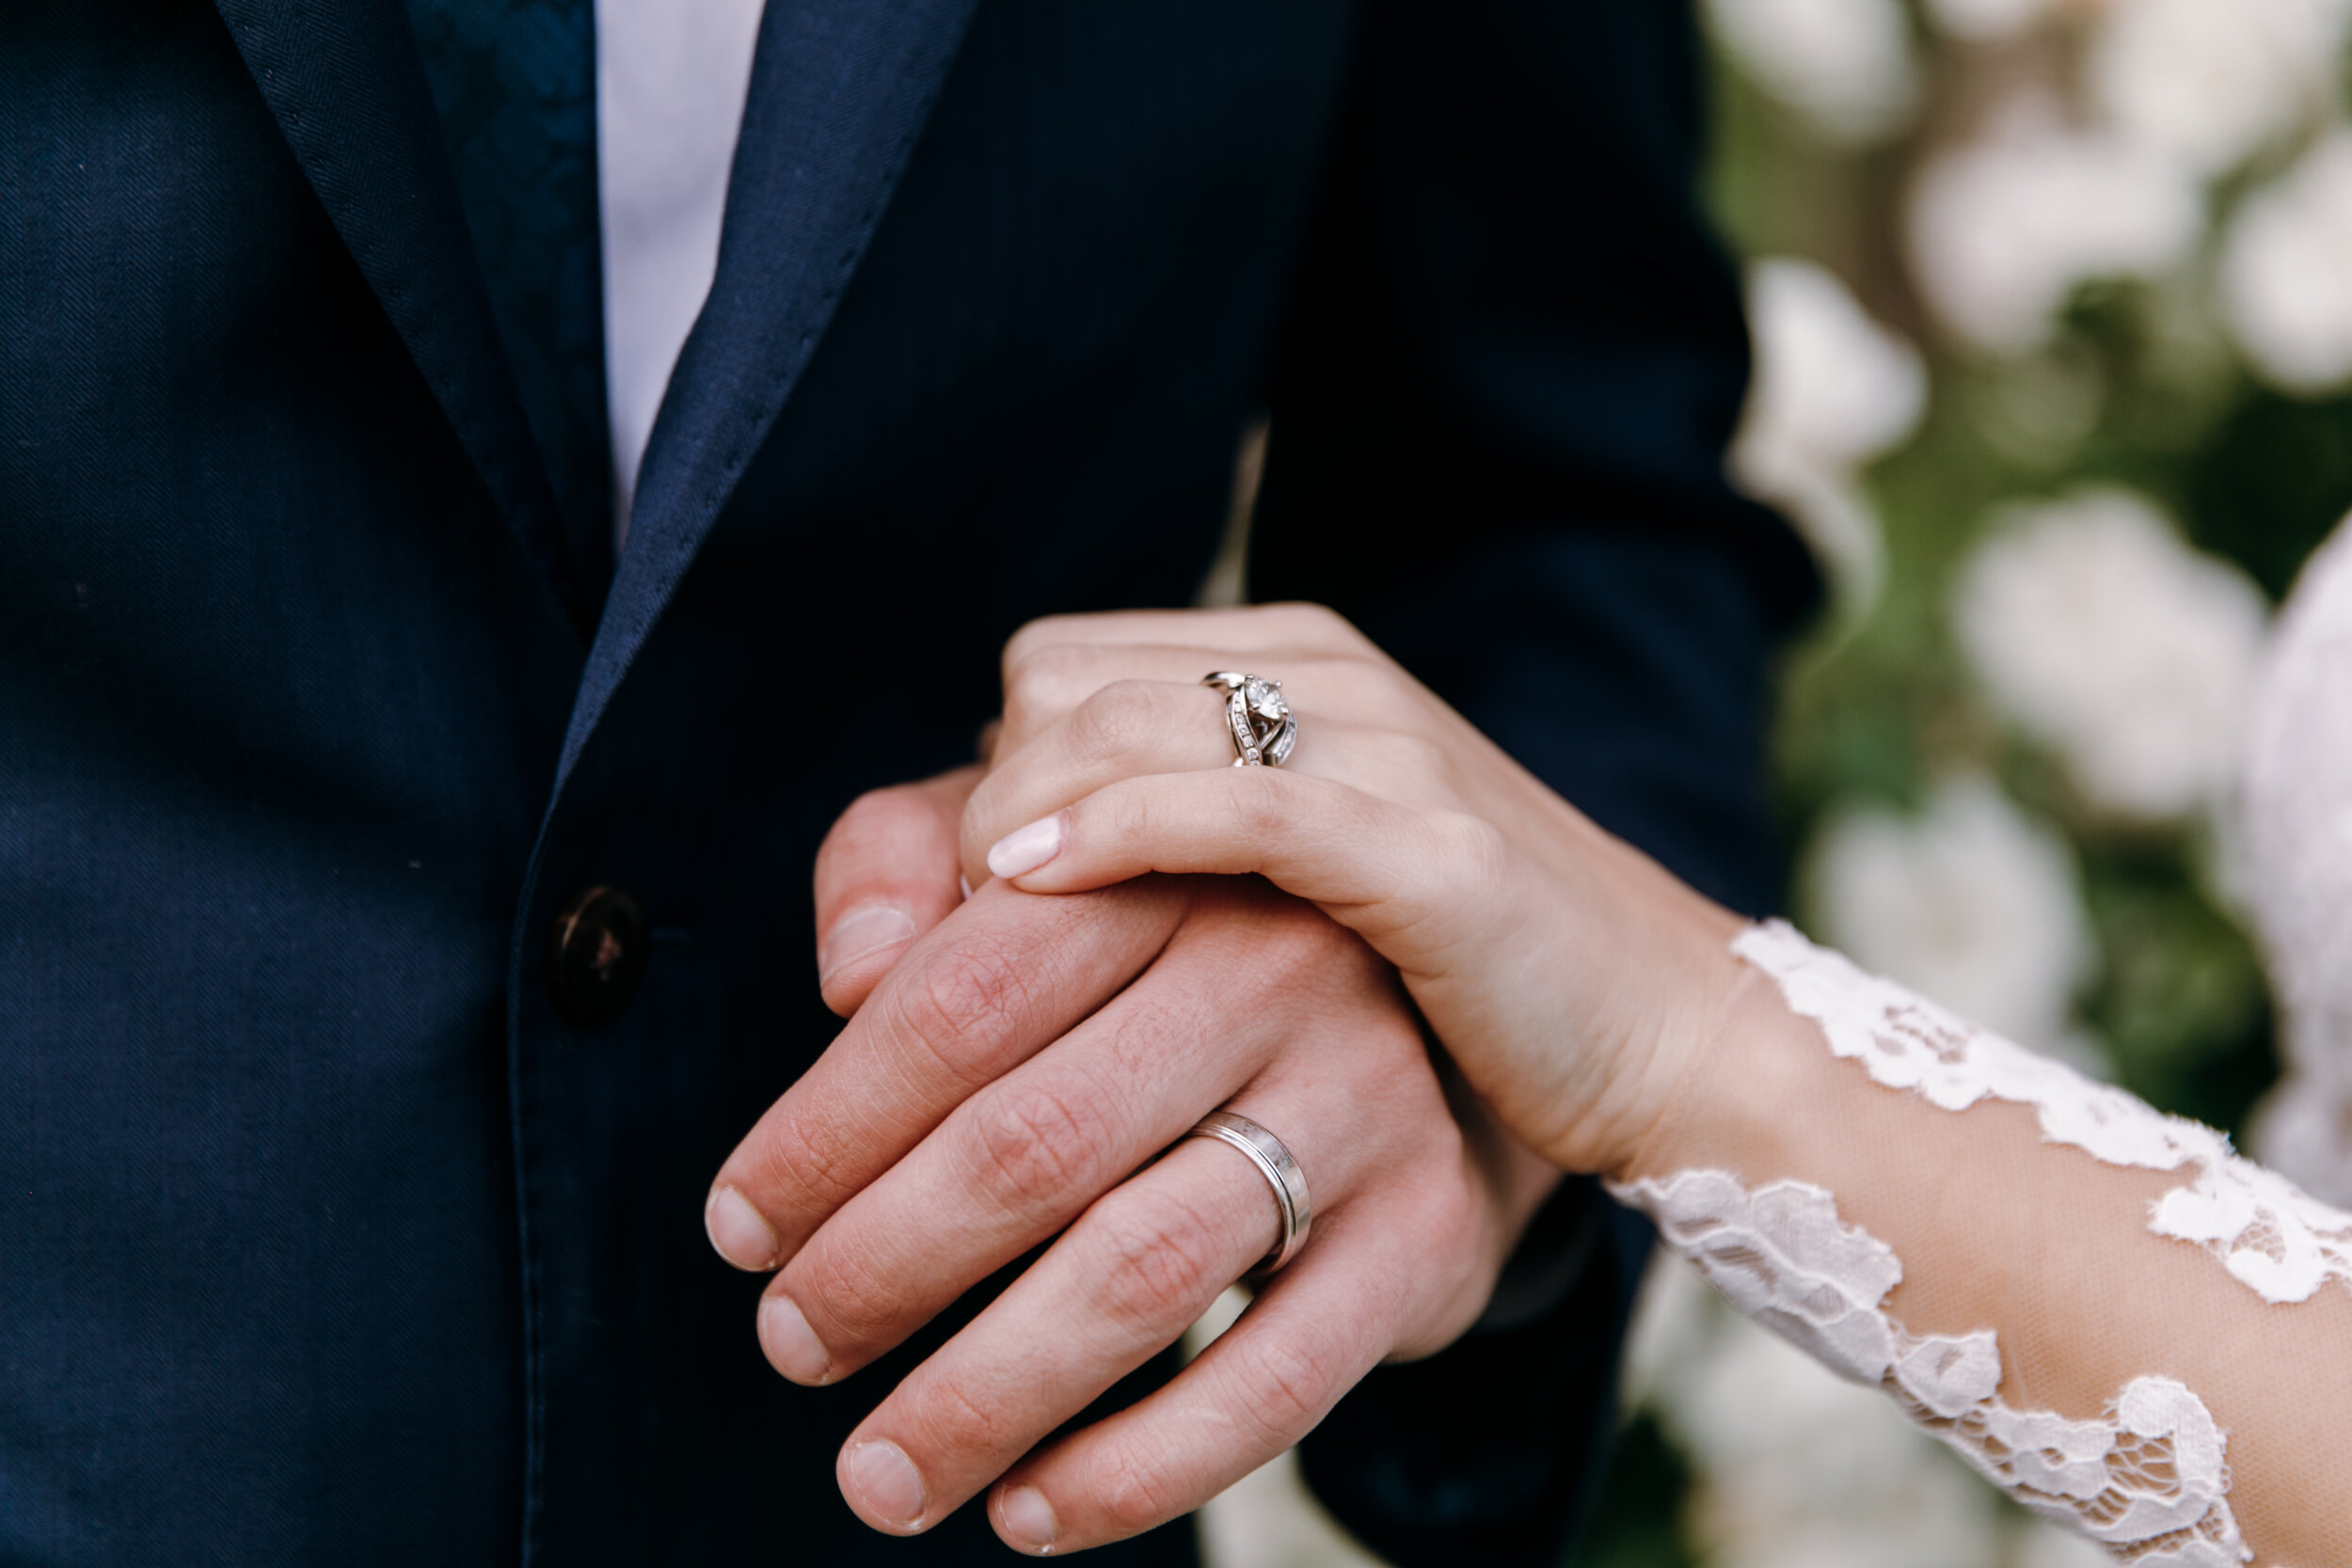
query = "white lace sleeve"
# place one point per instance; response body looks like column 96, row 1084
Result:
column 2105, row 1310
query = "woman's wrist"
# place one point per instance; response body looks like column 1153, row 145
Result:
column 1732, row 1105
column 1651, row 999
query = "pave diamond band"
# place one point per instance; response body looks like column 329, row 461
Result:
column 1257, row 719
column 1274, row 1161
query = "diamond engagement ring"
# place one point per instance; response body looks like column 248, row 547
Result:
column 1257, row 719
column 1274, row 1161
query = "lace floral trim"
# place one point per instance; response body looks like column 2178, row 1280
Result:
column 2148, row 1481
column 2273, row 1237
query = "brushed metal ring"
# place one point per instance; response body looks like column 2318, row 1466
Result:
column 1275, row 1163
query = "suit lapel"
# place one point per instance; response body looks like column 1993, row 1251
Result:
column 349, row 94
column 839, row 90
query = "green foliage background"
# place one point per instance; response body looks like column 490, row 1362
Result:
column 2138, row 388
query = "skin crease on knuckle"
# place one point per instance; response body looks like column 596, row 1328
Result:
column 1292, row 1378
column 1131, row 1492
column 1034, row 1145
column 803, row 1165
column 944, row 1023
column 1163, row 1259
column 946, row 1428
column 961, row 999
column 856, row 1308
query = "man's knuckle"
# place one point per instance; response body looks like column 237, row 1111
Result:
column 957, row 1423
column 808, row 1162
column 857, row 1305
column 1293, row 1379
column 970, row 990
column 1134, row 1493
column 1035, row 1144
column 1161, row 1259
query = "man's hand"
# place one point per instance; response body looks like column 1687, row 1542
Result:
column 1013, row 1075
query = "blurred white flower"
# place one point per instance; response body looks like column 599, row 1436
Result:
column 1832, row 390
column 2208, row 82
column 1983, row 21
column 2097, row 628
column 1844, row 65
column 1968, row 904
column 1802, row 1469
column 1269, row 1519
column 2002, row 229
column 2286, row 273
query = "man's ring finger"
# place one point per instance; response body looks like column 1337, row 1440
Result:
column 1275, row 1163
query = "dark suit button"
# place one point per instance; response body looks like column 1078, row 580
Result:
column 596, row 956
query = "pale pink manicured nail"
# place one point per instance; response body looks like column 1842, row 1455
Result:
column 791, row 1345
column 1028, row 1520
column 739, row 1233
column 863, row 930
column 1025, row 849
column 887, row 1483
column 965, row 883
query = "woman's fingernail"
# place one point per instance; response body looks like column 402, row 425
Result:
column 1025, row 849
column 1028, row 1520
column 739, row 1233
column 965, row 883
column 865, row 930
column 887, row 1483
column 792, row 1346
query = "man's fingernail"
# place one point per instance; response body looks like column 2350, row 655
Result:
column 865, row 930
column 887, row 1483
column 1025, row 849
column 1028, row 1520
column 792, row 1346
column 740, row 1233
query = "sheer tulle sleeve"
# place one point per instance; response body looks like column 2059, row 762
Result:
column 2107, row 1311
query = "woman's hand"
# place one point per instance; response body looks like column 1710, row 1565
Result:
column 1576, row 982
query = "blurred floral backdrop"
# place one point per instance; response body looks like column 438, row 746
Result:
column 2053, row 308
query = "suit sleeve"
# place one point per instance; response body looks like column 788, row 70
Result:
column 1511, row 362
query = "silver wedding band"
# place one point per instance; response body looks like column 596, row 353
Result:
column 1258, row 720
column 1274, row 1161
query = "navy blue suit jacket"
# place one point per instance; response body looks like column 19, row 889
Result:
column 323, row 1237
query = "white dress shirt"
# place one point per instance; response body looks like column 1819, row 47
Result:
column 671, row 80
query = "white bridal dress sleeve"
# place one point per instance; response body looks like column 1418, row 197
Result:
column 2109, row 1312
